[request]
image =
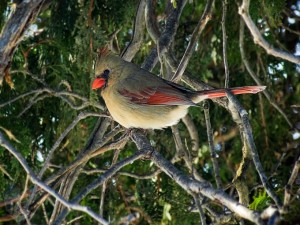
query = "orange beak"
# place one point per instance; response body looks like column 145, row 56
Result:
column 98, row 83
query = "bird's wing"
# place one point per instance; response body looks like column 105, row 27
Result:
column 155, row 92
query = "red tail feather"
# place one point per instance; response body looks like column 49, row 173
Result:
column 217, row 93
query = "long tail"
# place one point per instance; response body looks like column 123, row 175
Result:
column 217, row 93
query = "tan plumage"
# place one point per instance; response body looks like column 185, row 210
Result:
column 140, row 99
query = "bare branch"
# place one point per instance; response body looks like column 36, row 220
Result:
column 34, row 77
column 271, row 214
column 92, row 150
column 224, row 36
column 138, row 32
column 4, row 143
column 258, row 38
column 45, row 214
column 104, row 186
column 200, row 209
column 151, row 21
column 255, row 77
column 133, row 175
column 166, row 37
column 81, row 116
column 14, row 30
column 194, row 134
column 74, row 220
column 182, row 153
column 192, row 44
column 3, row 170
column 294, row 174
column 99, row 181
column 247, row 131
column 213, row 153
column 61, row 94
column 193, row 185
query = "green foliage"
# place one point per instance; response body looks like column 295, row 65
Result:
column 270, row 9
column 62, row 57
column 260, row 200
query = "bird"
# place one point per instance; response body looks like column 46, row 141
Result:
column 137, row 98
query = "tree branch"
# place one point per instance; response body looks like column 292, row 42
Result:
column 99, row 181
column 192, row 43
column 258, row 39
column 213, row 153
column 61, row 94
column 166, row 37
column 247, row 132
column 138, row 32
column 4, row 143
column 255, row 77
column 193, row 185
column 224, row 37
column 13, row 32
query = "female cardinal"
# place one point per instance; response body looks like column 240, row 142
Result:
column 137, row 98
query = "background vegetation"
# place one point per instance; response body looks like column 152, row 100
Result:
column 47, row 109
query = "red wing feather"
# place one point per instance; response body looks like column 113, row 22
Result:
column 157, row 96
column 160, row 98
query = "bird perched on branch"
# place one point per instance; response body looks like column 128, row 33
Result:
column 137, row 98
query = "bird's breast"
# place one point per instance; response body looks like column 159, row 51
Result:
column 132, row 115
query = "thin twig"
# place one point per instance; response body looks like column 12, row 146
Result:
column 24, row 213
column 19, row 202
column 138, row 32
column 182, row 153
column 74, row 220
column 45, row 214
column 247, row 131
column 81, row 116
column 213, row 153
column 128, row 174
column 294, row 174
column 3, row 170
column 93, row 151
column 99, row 181
column 34, row 99
column 255, row 77
column 192, row 43
column 34, row 77
column 4, row 143
column 104, row 186
column 102, row 196
column 192, row 185
column 290, row 30
column 61, row 94
column 224, row 36
column 200, row 209
column 193, row 131
column 166, row 37
column 14, row 31
column 151, row 21
column 100, row 147
column 263, row 120
column 258, row 38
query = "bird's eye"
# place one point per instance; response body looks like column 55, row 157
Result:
column 105, row 73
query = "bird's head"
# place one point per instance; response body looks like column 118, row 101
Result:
column 104, row 70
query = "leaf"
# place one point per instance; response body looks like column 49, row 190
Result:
column 3, row 170
column 166, row 214
column 174, row 3
column 8, row 79
column 259, row 200
column 10, row 135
